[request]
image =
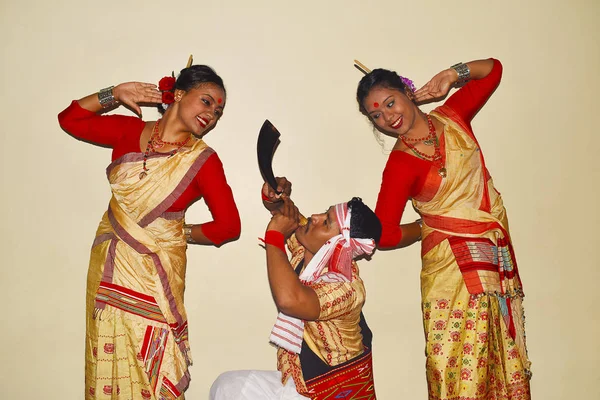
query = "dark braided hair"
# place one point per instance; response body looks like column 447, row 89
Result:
column 192, row 77
column 364, row 224
column 377, row 78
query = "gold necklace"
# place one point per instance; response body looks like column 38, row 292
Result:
column 437, row 155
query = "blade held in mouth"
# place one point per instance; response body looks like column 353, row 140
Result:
column 268, row 140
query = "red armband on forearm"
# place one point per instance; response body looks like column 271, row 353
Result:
column 274, row 238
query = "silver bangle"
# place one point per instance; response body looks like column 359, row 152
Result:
column 463, row 71
column 187, row 232
column 106, row 98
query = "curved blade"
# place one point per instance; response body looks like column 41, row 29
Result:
column 268, row 140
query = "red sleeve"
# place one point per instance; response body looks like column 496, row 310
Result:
column 467, row 101
column 403, row 177
column 105, row 130
column 217, row 194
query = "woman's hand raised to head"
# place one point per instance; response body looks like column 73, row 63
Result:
column 134, row 93
column 437, row 87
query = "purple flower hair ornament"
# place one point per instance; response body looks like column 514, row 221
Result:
column 408, row 83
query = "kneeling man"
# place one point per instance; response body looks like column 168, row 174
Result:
column 324, row 343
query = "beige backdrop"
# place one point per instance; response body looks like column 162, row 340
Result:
column 292, row 63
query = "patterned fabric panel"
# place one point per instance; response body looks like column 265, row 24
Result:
column 180, row 332
column 114, row 367
column 288, row 364
column 129, row 300
column 352, row 381
column 168, row 391
column 470, row 352
column 478, row 263
column 152, row 353
column 486, row 267
column 507, row 264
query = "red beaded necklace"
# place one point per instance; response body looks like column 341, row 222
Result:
column 430, row 139
column 427, row 140
column 156, row 142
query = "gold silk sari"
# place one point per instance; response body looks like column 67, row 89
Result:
column 136, row 325
column 471, row 291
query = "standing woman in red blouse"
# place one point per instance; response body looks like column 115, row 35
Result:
column 471, row 291
column 137, row 337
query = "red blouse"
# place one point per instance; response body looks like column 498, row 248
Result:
column 405, row 174
column 122, row 134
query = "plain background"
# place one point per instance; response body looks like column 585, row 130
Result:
column 292, row 63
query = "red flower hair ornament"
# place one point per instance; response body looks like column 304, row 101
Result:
column 167, row 86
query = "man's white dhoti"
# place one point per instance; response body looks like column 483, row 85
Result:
column 253, row 385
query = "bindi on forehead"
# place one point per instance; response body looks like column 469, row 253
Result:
column 376, row 105
column 219, row 100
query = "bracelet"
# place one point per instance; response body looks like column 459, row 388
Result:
column 420, row 222
column 463, row 71
column 187, row 232
column 106, row 98
column 274, row 238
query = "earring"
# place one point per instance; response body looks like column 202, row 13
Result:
column 380, row 141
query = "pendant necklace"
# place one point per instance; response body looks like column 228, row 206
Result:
column 429, row 140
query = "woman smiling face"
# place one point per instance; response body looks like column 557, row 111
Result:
column 390, row 110
column 201, row 107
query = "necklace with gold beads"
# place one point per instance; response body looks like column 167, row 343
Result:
column 430, row 139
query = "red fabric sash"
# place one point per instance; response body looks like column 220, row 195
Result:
column 350, row 381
